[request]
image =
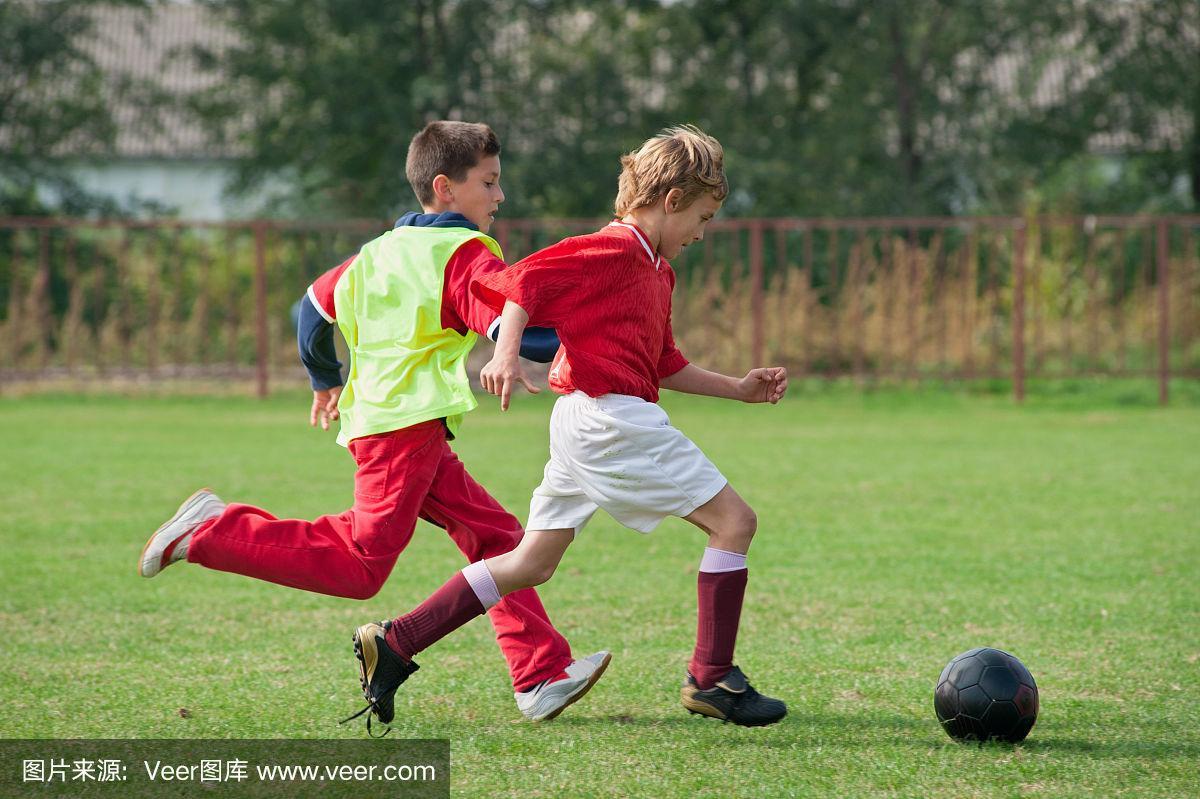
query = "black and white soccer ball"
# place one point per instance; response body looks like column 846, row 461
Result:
column 985, row 694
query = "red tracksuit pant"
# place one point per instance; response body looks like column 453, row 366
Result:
column 401, row 475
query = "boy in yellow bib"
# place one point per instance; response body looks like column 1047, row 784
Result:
column 405, row 309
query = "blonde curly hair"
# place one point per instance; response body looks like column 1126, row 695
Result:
column 682, row 157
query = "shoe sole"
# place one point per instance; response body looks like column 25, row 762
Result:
column 165, row 525
column 596, row 675
column 367, row 654
column 703, row 709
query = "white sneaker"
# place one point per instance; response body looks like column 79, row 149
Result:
column 549, row 698
column 170, row 542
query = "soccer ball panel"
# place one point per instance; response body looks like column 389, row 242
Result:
column 965, row 728
column 1023, row 675
column 966, row 672
column 945, row 701
column 999, row 682
column 992, row 657
column 1022, row 729
column 1026, row 700
column 973, row 702
column 1001, row 718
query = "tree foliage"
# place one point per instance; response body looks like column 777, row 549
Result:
column 824, row 106
column 52, row 99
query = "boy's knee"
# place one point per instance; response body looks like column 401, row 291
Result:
column 531, row 573
column 738, row 529
column 366, row 587
column 748, row 521
column 365, row 591
column 744, row 523
column 539, row 573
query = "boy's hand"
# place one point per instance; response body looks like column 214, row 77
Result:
column 501, row 375
column 324, row 407
column 767, row 384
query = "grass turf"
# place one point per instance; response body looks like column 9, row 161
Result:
column 897, row 529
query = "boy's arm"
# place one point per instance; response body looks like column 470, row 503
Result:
column 471, row 261
column 314, row 337
column 674, row 372
column 502, row 373
column 314, row 340
column 767, row 384
column 545, row 286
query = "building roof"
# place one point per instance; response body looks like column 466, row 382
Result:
column 149, row 49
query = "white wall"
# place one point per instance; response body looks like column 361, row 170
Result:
column 194, row 188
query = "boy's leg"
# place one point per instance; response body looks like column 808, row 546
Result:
column 715, row 687
column 350, row 554
column 482, row 528
column 474, row 590
column 721, row 584
column 478, row 588
column 385, row 650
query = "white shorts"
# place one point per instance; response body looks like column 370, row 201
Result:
column 619, row 453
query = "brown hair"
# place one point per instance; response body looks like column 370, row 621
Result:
column 682, row 157
column 446, row 148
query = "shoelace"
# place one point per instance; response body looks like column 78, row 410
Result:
column 370, row 707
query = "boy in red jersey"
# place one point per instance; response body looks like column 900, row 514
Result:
column 409, row 319
column 611, row 446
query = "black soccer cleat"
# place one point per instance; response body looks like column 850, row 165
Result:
column 732, row 699
column 381, row 671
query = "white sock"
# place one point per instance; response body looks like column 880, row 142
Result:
column 482, row 583
column 718, row 560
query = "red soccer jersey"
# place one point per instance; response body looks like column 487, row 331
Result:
column 608, row 294
column 460, row 309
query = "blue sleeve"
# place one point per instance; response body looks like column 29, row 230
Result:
column 537, row 343
column 314, row 338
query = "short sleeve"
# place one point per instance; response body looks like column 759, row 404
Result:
column 469, row 262
column 545, row 285
column 322, row 289
column 671, row 360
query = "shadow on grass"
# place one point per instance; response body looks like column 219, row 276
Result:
column 1111, row 749
column 855, row 731
column 831, row 728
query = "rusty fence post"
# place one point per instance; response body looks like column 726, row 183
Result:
column 1018, row 311
column 260, row 304
column 806, row 327
column 1164, row 300
column 911, row 292
column 42, row 303
column 756, row 293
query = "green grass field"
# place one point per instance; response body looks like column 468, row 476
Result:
column 897, row 529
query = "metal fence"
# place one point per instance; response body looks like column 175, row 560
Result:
column 903, row 298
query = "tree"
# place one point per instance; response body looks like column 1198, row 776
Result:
column 832, row 107
column 328, row 93
column 1147, row 89
column 51, row 100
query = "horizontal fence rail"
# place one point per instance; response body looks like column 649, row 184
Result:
column 902, row 298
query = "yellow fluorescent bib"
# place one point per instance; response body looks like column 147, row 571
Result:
column 405, row 368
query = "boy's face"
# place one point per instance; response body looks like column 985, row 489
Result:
column 683, row 226
column 477, row 196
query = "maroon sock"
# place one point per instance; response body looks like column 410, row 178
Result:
column 720, row 610
column 447, row 609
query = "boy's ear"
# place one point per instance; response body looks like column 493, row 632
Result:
column 441, row 189
column 673, row 201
